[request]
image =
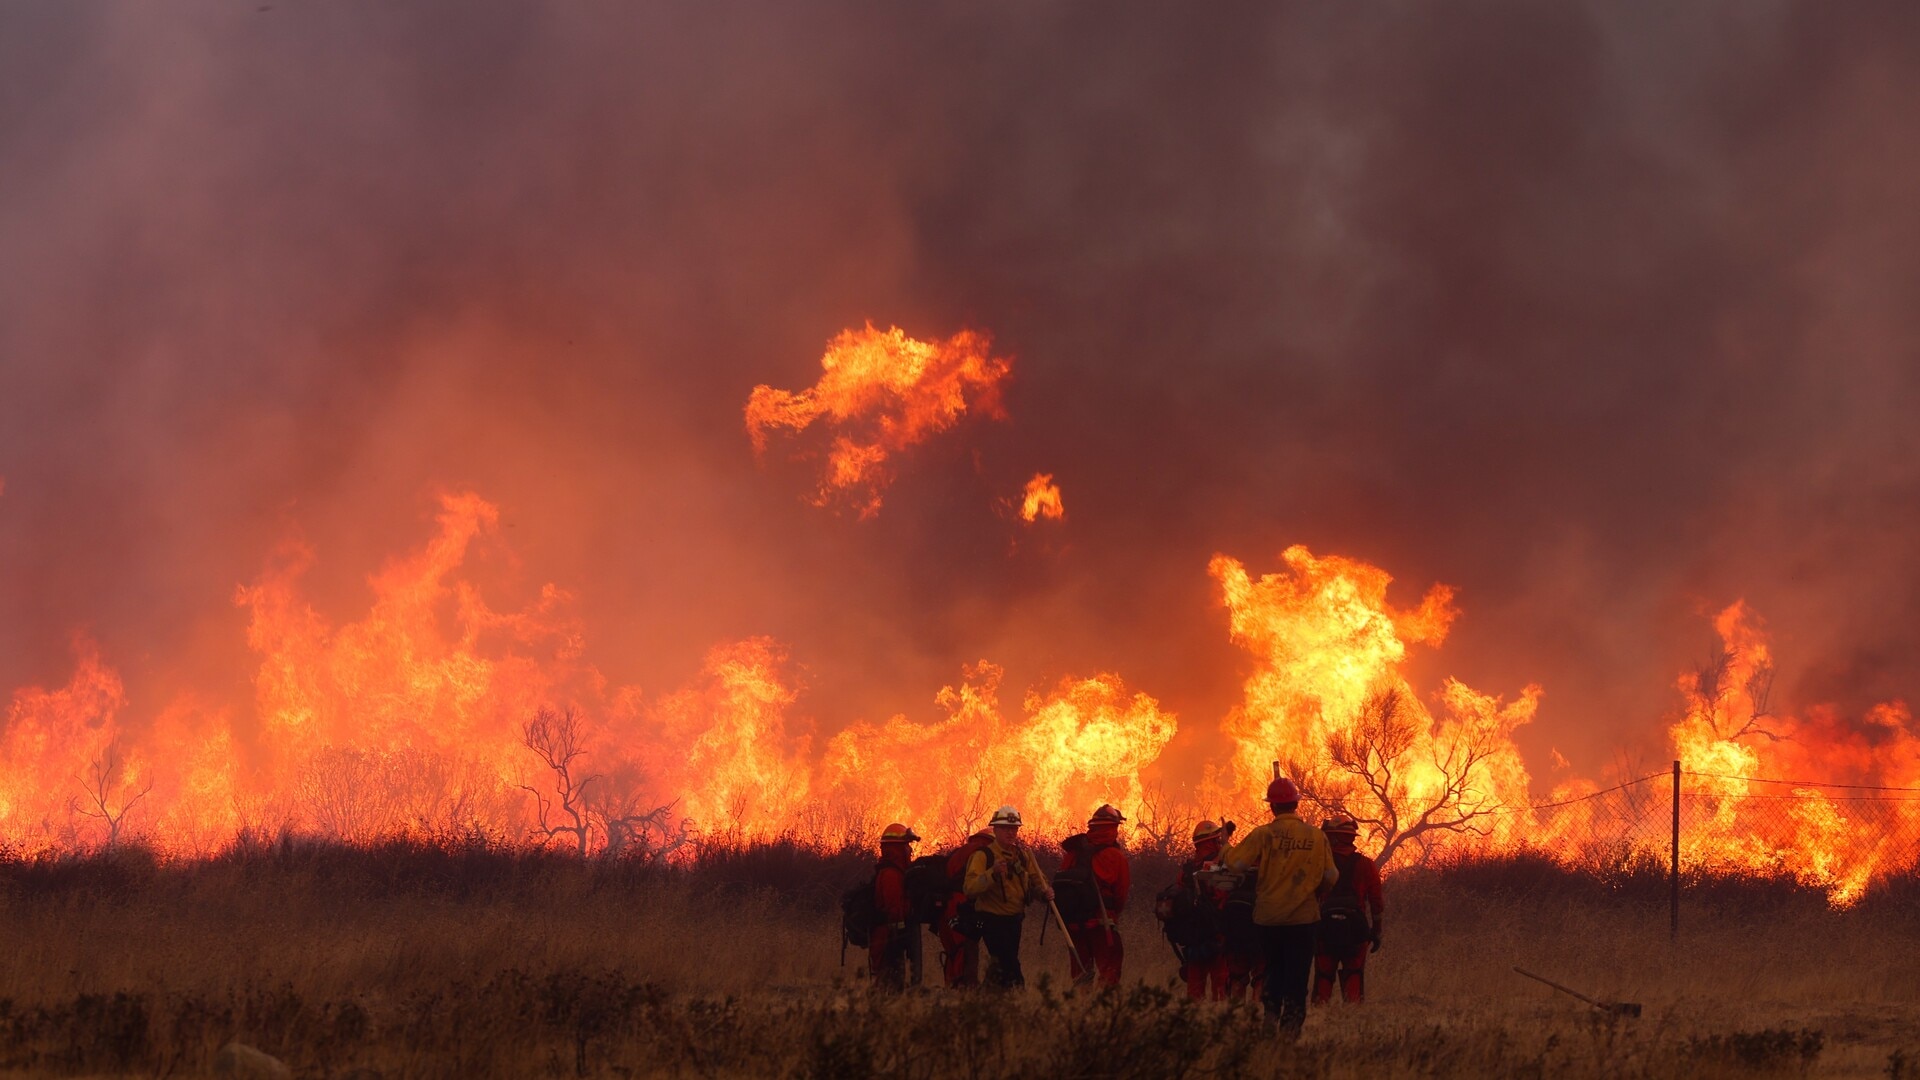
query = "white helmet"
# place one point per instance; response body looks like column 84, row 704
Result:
column 1006, row 815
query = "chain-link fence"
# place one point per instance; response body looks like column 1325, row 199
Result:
column 1700, row 827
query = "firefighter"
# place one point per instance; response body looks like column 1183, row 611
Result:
column 1204, row 959
column 1002, row 879
column 959, row 928
column 1096, row 939
column 888, row 946
column 1349, row 917
column 1294, row 868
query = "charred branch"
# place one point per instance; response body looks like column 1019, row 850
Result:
column 650, row 835
column 1163, row 820
column 1714, row 690
column 555, row 738
column 1364, row 777
column 107, row 793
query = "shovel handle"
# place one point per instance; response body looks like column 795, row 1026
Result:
column 1518, row 970
column 1072, row 953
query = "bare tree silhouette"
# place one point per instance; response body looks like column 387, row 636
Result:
column 348, row 793
column 1166, row 823
column 1714, row 688
column 1365, row 778
column 555, row 739
column 107, row 791
column 963, row 805
column 647, row 835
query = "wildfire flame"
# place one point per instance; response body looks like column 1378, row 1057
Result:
column 740, row 768
column 1731, row 731
column 1081, row 744
column 1042, row 499
column 1329, row 700
column 881, row 392
column 59, row 733
column 419, row 718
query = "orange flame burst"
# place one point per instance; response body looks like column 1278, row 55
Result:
column 413, row 720
column 1042, row 499
column 391, row 723
column 1731, row 735
column 728, row 749
column 417, row 719
column 54, row 741
column 1328, row 700
column 1083, row 743
column 880, row 393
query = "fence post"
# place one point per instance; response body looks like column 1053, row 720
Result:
column 1673, row 928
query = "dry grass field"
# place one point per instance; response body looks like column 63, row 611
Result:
column 473, row 962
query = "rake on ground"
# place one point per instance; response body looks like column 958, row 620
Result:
column 1620, row 1008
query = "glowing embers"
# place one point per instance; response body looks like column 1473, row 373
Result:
column 880, row 393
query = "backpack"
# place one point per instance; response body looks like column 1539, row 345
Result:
column 1176, row 907
column 1236, row 918
column 957, row 860
column 928, row 887
column 1074, row 889
column 1187, row 917
column 1343, row 923
column 859, row 914
column 965, row 921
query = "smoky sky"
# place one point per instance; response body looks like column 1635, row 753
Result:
column 1603, row 314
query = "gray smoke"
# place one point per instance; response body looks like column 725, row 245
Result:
column 1601, row 313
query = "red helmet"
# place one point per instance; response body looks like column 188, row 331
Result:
column 1106, row 815
column 1282, row 791
column 1341, row 826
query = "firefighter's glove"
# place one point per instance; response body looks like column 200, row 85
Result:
column 1227, row 829
column 1376, row 940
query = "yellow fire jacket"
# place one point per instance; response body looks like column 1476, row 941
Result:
column 1002, row 896
column 1294, row 862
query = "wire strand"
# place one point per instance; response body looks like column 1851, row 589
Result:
column 1801, row 798
column 1582, row 798
column 1802, row 783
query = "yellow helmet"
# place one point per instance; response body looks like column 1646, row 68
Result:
column 1206, row 830
column 898, row 834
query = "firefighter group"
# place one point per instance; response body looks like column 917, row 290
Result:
column 1287, row 912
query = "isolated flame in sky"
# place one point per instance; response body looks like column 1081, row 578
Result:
column 1042, row 499
column 881, row 392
